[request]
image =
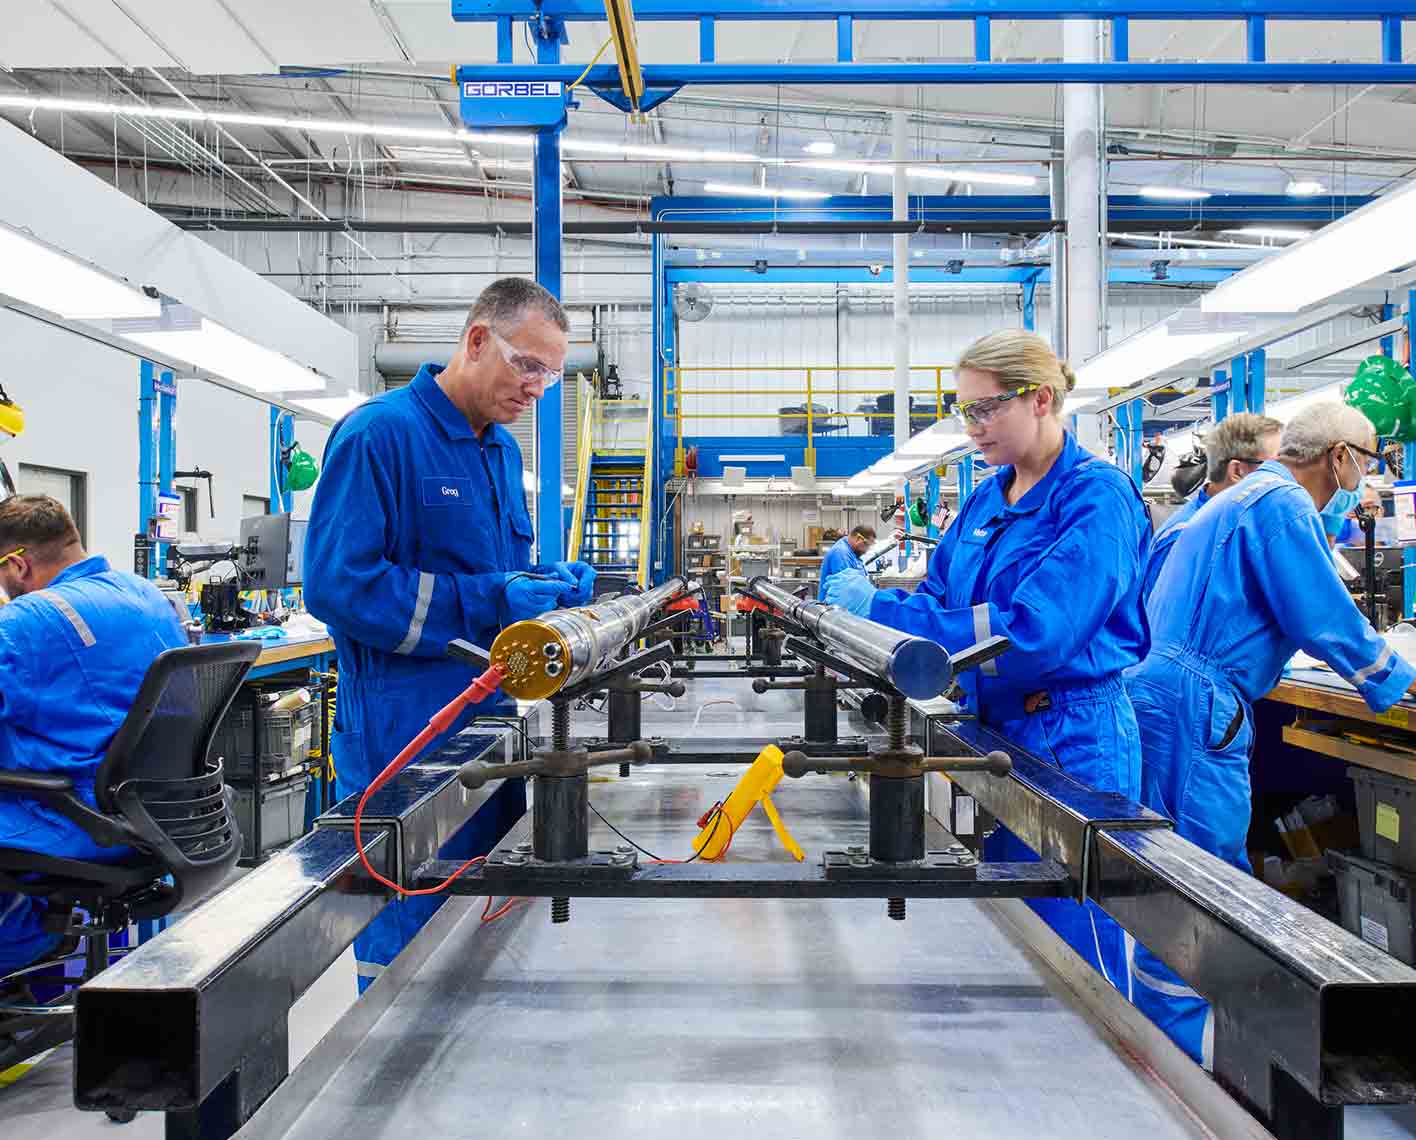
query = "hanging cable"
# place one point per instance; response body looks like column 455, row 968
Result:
column 591, row 64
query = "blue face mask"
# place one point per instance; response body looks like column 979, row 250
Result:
column 1342, row 503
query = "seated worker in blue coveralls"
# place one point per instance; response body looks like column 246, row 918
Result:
column 76, row 639
column 1233, row 449
column 846, row 554
column 419, row 534
column 1250, row 581
column 1048, row 553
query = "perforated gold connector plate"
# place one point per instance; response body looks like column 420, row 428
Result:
column 520, row 650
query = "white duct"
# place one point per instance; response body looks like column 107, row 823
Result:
column 1081, row 149
column 899, row 122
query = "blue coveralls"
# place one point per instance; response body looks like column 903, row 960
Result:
column 415, row 523
column 1059, row 574
column 1251, row 581
column 839, row 557
column 72, row 657
column 1164, row 540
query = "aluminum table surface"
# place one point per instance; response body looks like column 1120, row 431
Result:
column 705, row 1018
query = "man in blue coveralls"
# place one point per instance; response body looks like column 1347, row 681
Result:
column 1236, row 447
column 76, row 639
column 845, row 555
column 419, row 534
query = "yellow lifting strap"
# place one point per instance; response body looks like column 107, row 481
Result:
column 755, row 787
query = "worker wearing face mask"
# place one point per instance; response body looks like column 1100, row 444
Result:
column 1047, row 553
column 1233, row 449
column 1249, row 582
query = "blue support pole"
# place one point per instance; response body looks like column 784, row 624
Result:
column 1219, row 402
column 1408, row 557
column 707, row 40
column 166, row 451
column 1388, row 344
column 504, row 40
column 966, row 479
column 1258, row 379
column 983, row 40
column 147, row 452
column 1238, row 385
column 281, row 436
column 932, row 484
column 845, row 39
column 1257, row 40
column 1391, row 39
column 1120, row 39
column 1030, row 305
column 1130, row 418
column 546, row 255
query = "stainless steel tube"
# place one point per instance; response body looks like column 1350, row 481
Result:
column 916, row 666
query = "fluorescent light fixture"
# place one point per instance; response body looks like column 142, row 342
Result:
column 893, row 465
column 934, row 441
column 48, row 279
column 335, row 407
column 1274, row 232
column 1146, row 354
column 750, row 190
column 820, row 146
column 1174, row 193
column 980, row 177
column 1304, row 188
column 1376, row 239
column 1286, row 409
column 213, row 348
column 752, row 459
column 1163, row 240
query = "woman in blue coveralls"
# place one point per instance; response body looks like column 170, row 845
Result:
column 1048, row 553
column 1250, row 581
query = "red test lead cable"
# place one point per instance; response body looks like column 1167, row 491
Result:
column 479, row 690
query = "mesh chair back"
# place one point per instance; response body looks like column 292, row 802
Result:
column 156, row 773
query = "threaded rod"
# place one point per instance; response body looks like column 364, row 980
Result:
column 560, row 910
column 895, row 908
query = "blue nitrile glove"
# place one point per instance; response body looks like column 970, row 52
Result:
column 851, row 590
column 579, row 574
column 529, row 595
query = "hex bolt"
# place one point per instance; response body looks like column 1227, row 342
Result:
column 860, row 860
column 855, row 849
column 523, row 848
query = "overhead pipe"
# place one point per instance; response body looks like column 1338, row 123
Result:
column 628, row 226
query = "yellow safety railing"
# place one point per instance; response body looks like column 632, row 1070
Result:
column 588, row 424
column 801, row 383
column 646, row 499
column 602, row 433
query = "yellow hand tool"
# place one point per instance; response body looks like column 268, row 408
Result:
column 755, row 787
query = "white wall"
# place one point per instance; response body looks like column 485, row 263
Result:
column 81, row 410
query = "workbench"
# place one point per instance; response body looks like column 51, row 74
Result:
column 1324, row 692
column 704, row 1018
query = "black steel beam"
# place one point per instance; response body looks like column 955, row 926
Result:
column 194, row 1012
column 807, row 880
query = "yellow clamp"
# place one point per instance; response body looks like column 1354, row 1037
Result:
column 755, row 787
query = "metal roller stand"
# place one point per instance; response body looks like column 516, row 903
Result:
column 897, row 805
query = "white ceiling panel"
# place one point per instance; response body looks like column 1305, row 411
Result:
column 202, row 35
column 327, row 31
column 431, row 35
column 105, row 23
column 38, row 35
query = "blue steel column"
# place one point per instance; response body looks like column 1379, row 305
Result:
column 1129, row 436
column 166, row 451
column 282, row 435
column 546, row 239
column 1388, row 344
column 1408, row 470
column 1030, row 304
column 932, row 488
column 1238, row 385
column 147, row 452
column 1219, row 402
column 966, row 479
column 1258, row 379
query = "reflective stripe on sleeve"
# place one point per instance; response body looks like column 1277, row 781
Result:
column 61, row 604
column 983, row 630
column 410, row 641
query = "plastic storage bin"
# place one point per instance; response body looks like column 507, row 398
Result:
column 286, row 744
column 1386, row 817
column 282, row 807
column 1376, row 902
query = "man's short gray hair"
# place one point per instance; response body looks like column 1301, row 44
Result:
column 1240, row 436
column 505, row 303
column 1313, row 430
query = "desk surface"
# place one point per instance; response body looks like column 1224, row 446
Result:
column 1323, row 691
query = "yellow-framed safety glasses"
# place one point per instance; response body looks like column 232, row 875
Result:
column 982, row 411
column 6, row 557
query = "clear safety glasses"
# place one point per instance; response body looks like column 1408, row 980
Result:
column 982, row 411
column 528, row 367
column 1373, row 460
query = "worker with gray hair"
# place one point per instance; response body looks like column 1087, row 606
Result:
column 1249, row 582
column 1234, row 448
